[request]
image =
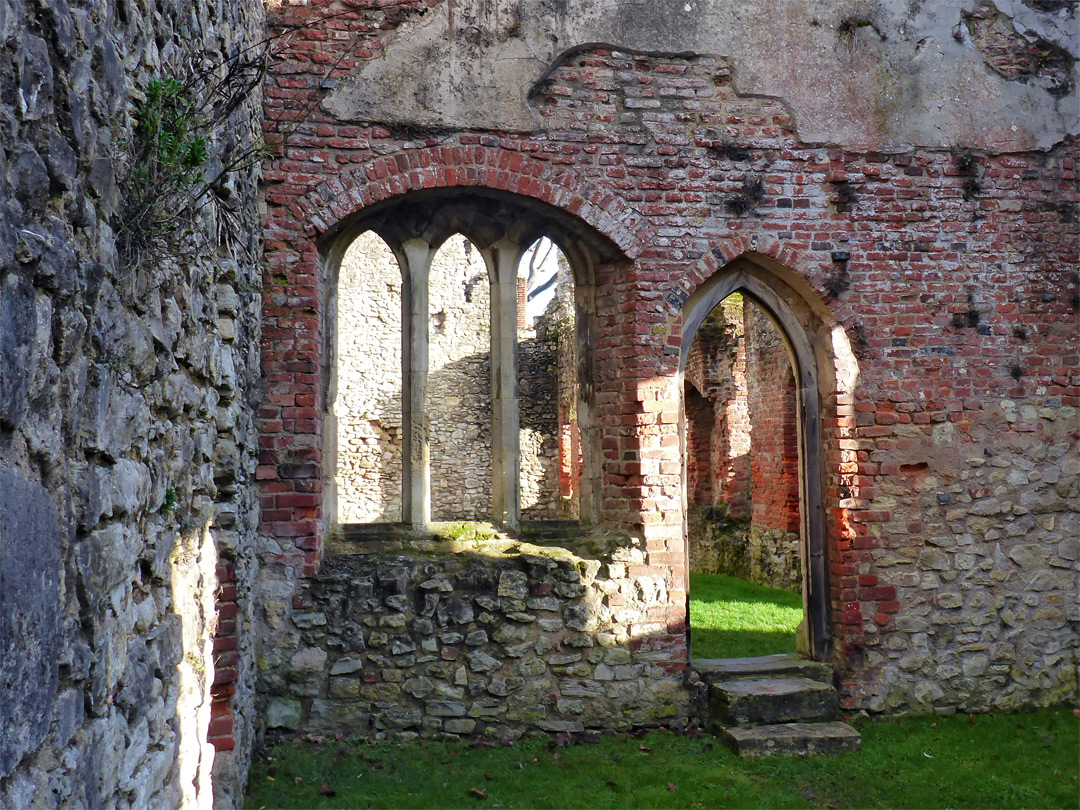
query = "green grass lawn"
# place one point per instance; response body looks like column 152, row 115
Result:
column 1027, row 760
column 732, row 618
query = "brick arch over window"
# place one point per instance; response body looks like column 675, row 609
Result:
column 498, row 199
column 341, row 199
column 824, row 370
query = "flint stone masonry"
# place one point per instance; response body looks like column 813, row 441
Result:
column 127, row 411
column 367, row 406
column 459, row 383
column 30, row 610
column 491, row 638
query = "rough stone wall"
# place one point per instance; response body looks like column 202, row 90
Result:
column 764, row 556
column 538, row 395
column 936, row 287
column 367, row 407
column 127, row 439
column 492, row 640
column 459, row 383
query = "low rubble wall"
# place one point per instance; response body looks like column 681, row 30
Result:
column 494, row 639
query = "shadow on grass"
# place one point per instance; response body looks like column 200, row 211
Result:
column 732, row 618
column 706, row 643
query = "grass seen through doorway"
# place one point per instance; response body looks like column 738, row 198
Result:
column 732, row 618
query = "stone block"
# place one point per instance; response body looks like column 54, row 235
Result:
column 513, row 585
column 459, row 725
column 445, row 708
column 332, row 715
column 30, row 612
column 347, row 688
column 480, row 661
column 18, row 325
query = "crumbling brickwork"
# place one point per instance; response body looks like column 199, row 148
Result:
column 888, row 252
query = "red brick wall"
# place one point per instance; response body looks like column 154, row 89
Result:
column 700, row 433
column 716, row 365
column 774, row 457
column 939, row 285
column 226, row 660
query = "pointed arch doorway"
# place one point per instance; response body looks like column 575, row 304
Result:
column 799, row 318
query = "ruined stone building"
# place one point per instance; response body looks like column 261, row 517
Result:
column 295, row 434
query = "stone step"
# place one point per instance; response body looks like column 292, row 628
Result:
column 765, row 701
column 715, row 670
column 792, row 739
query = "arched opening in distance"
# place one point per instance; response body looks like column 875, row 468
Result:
column 752, row 445
column 548, row 386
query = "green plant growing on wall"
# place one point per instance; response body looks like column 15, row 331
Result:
column 173, row 153
column 168, row 505
column 849, row 28
column 181, row 156
column 185, row 147
column 965, row 162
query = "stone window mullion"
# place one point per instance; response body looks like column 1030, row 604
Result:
column 503, row 259
column 414, row 256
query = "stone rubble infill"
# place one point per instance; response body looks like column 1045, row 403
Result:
column 492, row 638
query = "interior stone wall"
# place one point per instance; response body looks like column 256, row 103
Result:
column 459, row 383
column 367, row 388
column 547, row 397
column 538, row 394
column 367, row 403
column 474, row 639
column 127, row 406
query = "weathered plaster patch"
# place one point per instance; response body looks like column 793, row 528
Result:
column 891, row 84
